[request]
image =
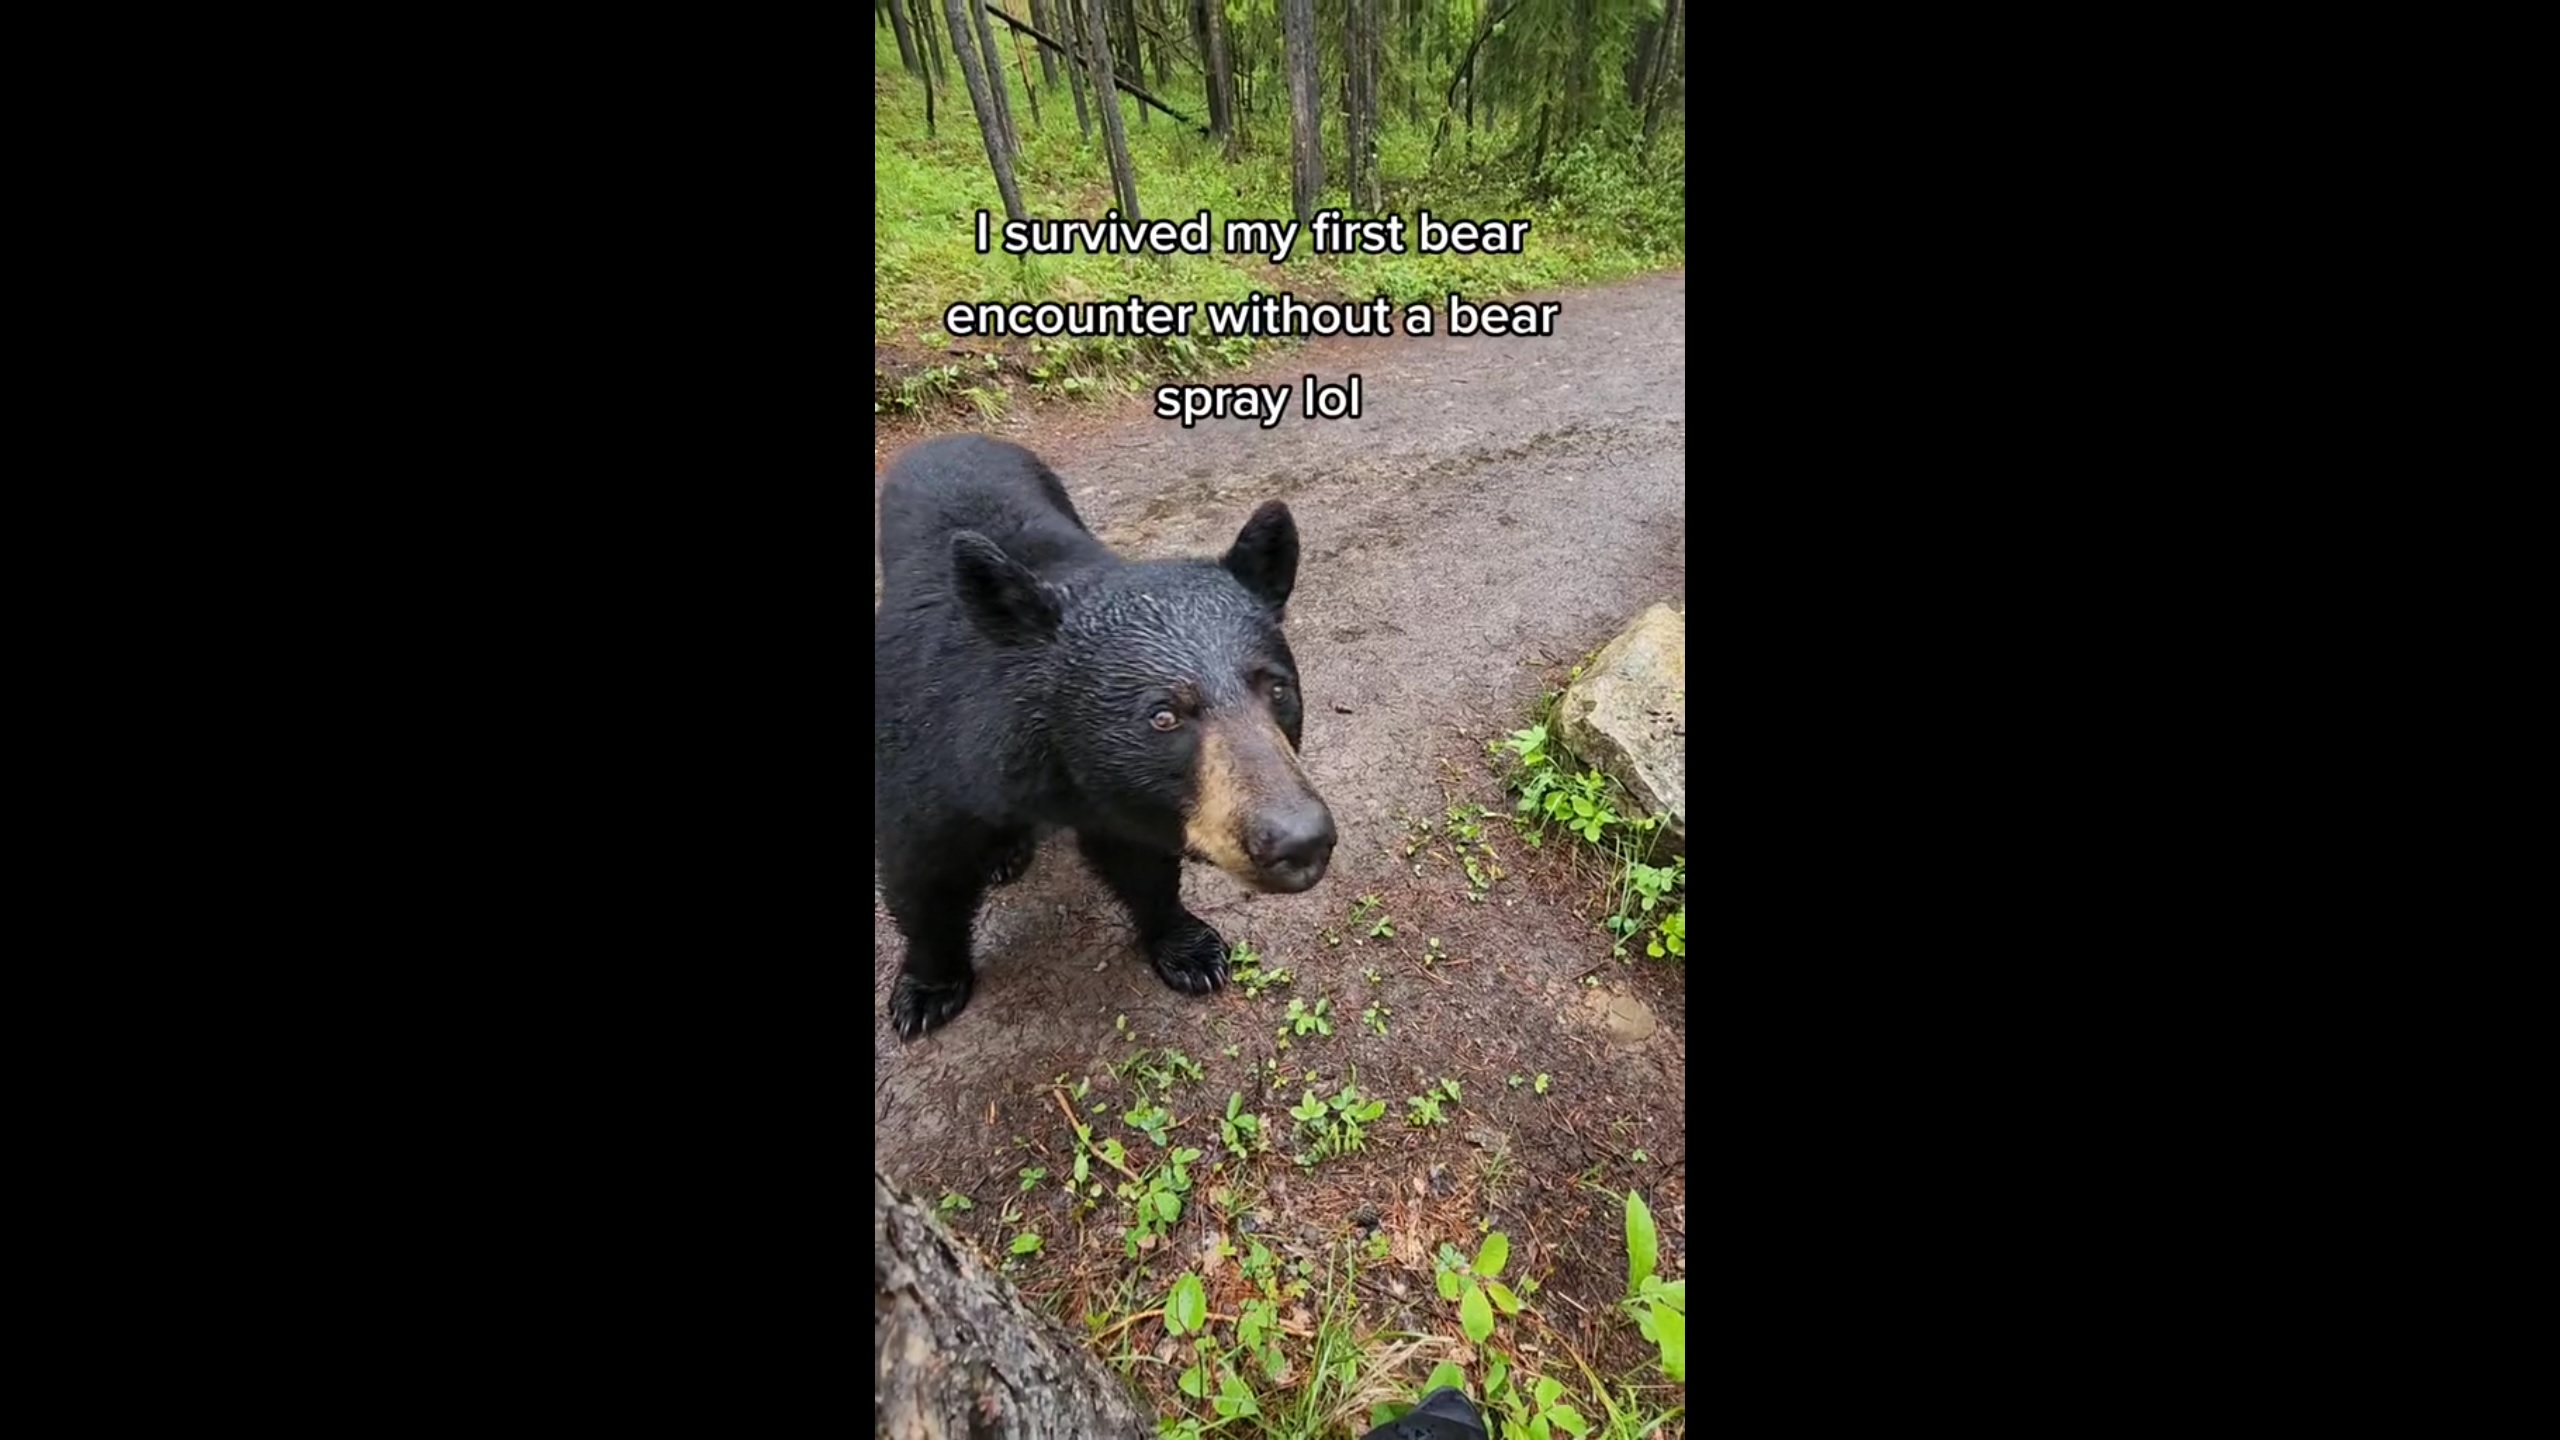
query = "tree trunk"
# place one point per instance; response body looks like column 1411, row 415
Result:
column 929, row 39
column 1209, row 32
column 993, row 64
column 1048, row 63
column 1306, row 134
column 1115, row 136
column 1072, row 31
column 1022, row 62
column 1465, row 75
column 1127, row 49
column 906, row 34
column 1665, row 50
column 955, row 1351
column 1360, row 77
column 973, row 72
column 1580, row 80
column 1222, row 74
column 925, row 54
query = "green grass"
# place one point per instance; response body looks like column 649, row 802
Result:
column 1598, row 216
column 1652, row 901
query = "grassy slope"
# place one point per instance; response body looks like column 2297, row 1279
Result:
column 1602, row 220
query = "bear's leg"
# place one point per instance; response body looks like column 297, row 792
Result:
column 1014, row 852
column 935, row 911
column 1185, row 951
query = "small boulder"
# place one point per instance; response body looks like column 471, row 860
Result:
column 1628, row 717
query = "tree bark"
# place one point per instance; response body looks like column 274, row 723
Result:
column 955, row 1352
column 906, row 34
column 1115, row 136
column 1665, row 49
column 993, row 64
column 1360, row 81
column 1070, row 14
column 1222, row 74
column 1048, row 62
column 1022, row 62
column 1306, row 133
column 928, row 39
column 924, row 51
column 990, row 120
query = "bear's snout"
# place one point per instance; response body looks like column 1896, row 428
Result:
column 1291, row 849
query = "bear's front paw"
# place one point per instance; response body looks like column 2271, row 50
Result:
column 1013, row 860
column 1191, row 957
column 916, row 1006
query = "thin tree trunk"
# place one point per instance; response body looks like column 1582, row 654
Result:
column 1048, row 63
column 1648, row 46
column 1674, row 17
column 974, row 72
column 1222, row 74
column 1127, row 11
column 993, row 63
column 1115, row 137
column 1360, row 81
column 1579, row 80
column 924, row 66
column 1073, row 30
column 1306, row 135
column 929, row 39
column 1030, row 91
column 1465, row 75
column 955, row 1351
column 906, row 34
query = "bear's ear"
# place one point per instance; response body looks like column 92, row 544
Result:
column 1006, row 600
column 1265, row 555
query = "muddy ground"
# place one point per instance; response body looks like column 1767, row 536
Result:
column 1500, row 510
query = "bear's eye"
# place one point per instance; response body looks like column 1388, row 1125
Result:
column 1164, row 720
column 1279, row 692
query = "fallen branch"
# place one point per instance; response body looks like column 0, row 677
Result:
column 1083, row 1131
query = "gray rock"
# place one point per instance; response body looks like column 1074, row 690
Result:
column 1628, row 717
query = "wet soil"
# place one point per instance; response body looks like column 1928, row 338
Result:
column 1501, row 509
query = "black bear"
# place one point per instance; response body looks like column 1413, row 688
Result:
column 1029, row 679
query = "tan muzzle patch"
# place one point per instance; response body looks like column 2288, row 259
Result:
column 1241, row 761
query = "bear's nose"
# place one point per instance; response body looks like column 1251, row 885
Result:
column 1294, row 842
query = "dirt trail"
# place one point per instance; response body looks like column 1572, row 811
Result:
column 1500, row 509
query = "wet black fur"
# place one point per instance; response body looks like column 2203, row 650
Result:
column 1017, row 666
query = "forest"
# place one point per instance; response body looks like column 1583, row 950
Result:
column 1566, row 113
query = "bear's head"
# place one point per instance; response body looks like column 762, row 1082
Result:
column 1169, row 697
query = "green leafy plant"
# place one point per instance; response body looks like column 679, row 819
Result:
column 1244, row 967
column 1304, row 1021
column 1151, row 1121
column 1375, row 1017
column 1476, row 1285
column 1670, row 936
column 1156, row 1199
column 1240, row 1130
column 1536, row 1409
column 1660, row 1308
column 1424, row 1109
column 1335, row 1126
column 952, row 1202
column 1163, row 1069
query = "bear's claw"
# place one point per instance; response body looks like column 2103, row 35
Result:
column 916, row 1006
column 1191, row 959
column 1013, row 861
